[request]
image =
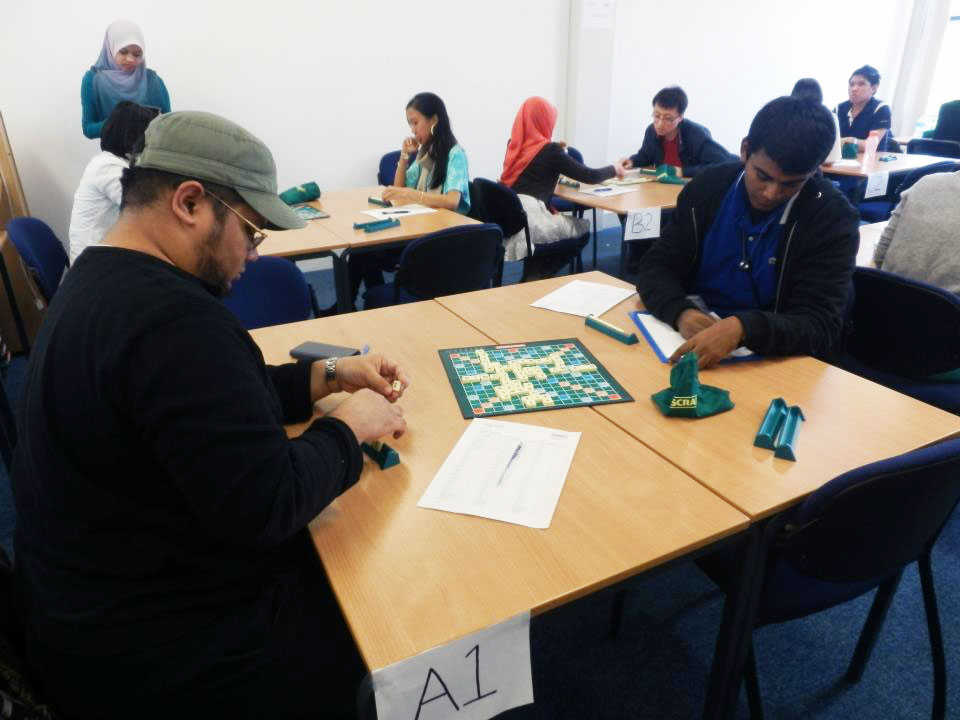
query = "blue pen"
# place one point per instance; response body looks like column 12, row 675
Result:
column 602, row 189
column 365, row 349
column 510, row 462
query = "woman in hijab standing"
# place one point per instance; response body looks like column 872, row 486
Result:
column 120, row 73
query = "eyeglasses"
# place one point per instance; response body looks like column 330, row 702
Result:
column 255, row 235
column 669, row 119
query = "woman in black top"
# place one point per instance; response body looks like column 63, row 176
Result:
column 532, row 166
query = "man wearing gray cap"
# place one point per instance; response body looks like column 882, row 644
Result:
column 163, row 563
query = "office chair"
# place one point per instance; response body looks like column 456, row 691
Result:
column 453, row 260
column 501, row 205
column 271, row 291
column 932, row 146
column 903, row 332
column 388, row 168
column 41, row 251
column 880, row 209
column 856, row 533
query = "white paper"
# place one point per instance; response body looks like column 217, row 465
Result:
column 877, row 184
column 598, row 14
column 642, row 224
column 845, row 163
column 582, row 298
column 474, row 678
column 504, row 471
column 606, row 190
column 665, row 340
column 399, row 212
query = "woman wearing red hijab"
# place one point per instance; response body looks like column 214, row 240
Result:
column 532, row 166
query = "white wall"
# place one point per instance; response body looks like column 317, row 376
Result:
column 323, row 83
column 731, row 58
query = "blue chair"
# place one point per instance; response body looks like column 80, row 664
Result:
column 904, row 331
column 41, row 251
column 931, row 146
column 496, row 203
column 453, row 260
column 271, row 291
column 388, row 168
column 856, row 533
column 880, row 209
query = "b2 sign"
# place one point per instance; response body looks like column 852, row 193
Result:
column 473, row 678
column 642, row 224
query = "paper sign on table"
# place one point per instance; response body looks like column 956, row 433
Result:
column 504, row 471
column 474, row 678
column 877, row 184
column 642, row 224
column 579, row 297
column 399, row 212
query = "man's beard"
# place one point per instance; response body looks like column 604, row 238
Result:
column 208, row 269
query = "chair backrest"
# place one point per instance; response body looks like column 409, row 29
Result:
column 870, row 522
column 914, row 175
column 454, row 260
column 41, row 251
column 575, row 154
column 903, row 326
column 388, row 168
column 930, row 146
column 948, row 121
column 271, row 291
column 501, row 206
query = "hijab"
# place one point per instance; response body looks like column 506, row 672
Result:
column 532, row 129
column 110, row 83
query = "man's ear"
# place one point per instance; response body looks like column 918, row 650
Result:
column 744, row 150
column 185, row 201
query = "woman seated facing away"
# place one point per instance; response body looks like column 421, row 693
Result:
column 922, row 238
column 863, row 112
column 120, row 73
column 809, row 89
column 437, row 177
column 532, row 166
column 96, row 203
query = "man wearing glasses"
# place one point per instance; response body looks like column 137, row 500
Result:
column 673, row 140
column 163, row 563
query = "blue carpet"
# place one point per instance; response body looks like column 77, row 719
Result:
column 658, row 665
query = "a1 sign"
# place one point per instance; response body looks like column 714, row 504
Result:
column 473, row 678
column 642, row 224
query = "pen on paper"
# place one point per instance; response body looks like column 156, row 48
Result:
column 395, row 212
column 602, row 190
column 510, row 462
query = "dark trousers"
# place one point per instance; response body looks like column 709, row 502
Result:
column 292, row 657
column 369, row 266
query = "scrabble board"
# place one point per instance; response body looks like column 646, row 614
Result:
column 492, row 380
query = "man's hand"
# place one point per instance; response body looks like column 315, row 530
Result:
column 625, row 163
column 375, row 372
column 370, row 416
column 692, row 321
column 713, row 343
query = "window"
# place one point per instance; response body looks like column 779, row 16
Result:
column 946, row 79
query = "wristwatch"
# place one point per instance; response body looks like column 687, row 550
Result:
column 330, row 370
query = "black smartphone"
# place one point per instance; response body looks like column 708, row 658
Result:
column 321, row 351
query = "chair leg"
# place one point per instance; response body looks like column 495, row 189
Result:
column 936, row 637
column 871, row 628
column 752, row 685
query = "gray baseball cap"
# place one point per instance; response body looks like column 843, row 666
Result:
column 208, row 147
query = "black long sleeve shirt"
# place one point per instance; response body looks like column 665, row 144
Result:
column 154, row 483
column 539, row 178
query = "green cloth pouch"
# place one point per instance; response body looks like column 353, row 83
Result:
column 686, row 397
column 301, row 193
column 848, row 151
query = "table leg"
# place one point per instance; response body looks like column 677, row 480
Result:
column 341, row 281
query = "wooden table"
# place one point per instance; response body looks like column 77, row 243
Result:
column 335, row 236
column 902, row 162
column 869, row 237
column 409, row 579
column 850, row 421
